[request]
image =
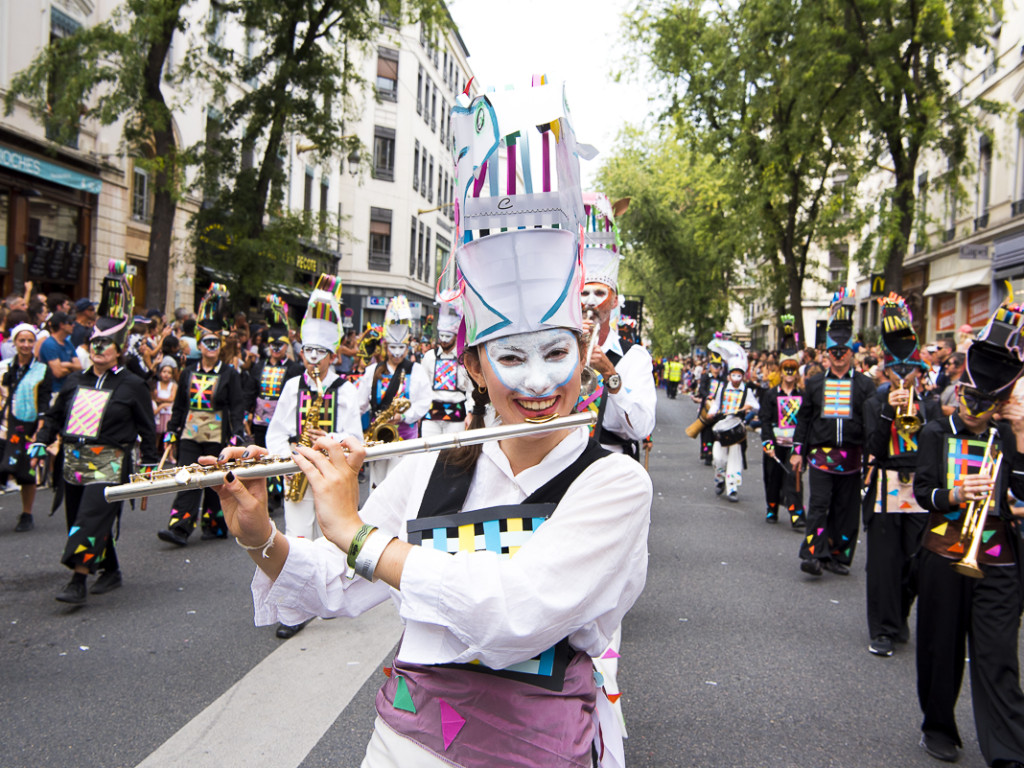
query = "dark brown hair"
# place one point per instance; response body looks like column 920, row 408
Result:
column 464, row 457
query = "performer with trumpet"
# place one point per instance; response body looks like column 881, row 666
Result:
column 778, row 424
column 496, row 655
column 956, row 479
column 893, row 520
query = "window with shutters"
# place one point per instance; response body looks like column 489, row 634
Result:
column 380, row 239
column 387, row 74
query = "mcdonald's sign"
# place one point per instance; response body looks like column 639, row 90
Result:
column 877, row 285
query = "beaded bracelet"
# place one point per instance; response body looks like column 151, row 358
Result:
column 265, row 546
column 357, row 544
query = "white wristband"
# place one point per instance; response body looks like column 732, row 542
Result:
column 371, row 551
column 265, row 546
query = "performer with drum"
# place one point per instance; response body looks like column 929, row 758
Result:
column 966, row 465
column 707, row 392
column 495, row 658
column 778, row 424
column 733, row 401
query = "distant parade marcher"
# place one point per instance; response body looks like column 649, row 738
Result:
column 99, row 415
column 624, row 396
column 395, row 377
column 707, row 391
column 673, row 375
column 732, row 403
column 779, row 410
column 314, row 404
column 267, row 378
column 830, row 438
column 207, row 416
column 964, row 461
column 27, row 382
column 893, row 519
column 450, row 383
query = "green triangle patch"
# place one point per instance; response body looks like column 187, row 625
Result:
column 403, row 699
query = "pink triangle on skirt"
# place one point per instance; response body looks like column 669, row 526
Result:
column 451, row 722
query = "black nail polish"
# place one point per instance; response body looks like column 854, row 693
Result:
column 295, row 452
column 245, row 453
column 221, row 457
column 230, row 477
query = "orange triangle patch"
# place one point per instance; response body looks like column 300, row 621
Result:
column 96, row 449
column 87, row 558
column 956, row 549
column 387, row 671
column 613, row 697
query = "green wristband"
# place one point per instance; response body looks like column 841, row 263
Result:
column 357, row 544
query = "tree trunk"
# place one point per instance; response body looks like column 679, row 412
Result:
column 903, row 207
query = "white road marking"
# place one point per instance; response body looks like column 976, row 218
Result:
column 278, row 712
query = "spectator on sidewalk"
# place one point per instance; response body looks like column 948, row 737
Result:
column 58, row 351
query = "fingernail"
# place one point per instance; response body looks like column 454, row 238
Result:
column 295, row 452
column 245, row 453
column 221, row 457
column 230, row 477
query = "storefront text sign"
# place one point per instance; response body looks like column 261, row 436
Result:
column 974, row 251
column 33, row 166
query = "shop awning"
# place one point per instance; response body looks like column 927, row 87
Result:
column 980, row 276
column 940, row 285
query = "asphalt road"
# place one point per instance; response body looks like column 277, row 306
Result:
column 732, row 657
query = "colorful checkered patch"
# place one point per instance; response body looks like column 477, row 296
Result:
column 446, row 375
column 732, row 400
column 837, row 401
column 963, row 457
column 201, row 391
column 87, row 412
column 900, row 443
column 271, row 382
column 385, row 382
column 713, row 386
column 326, row 422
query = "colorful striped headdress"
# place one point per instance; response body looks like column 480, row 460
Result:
column 995, row 359
column 898, row 337
column 321, row 326
column 789, row 339
column 208, row 316
column 518, row 212
column 117, row 305
column 277, row 318
column 602, row 248
column 840, row 320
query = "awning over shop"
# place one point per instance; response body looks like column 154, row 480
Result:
column 980, row 276
column 940, row 285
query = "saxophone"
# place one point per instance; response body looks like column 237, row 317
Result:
column 380, row 430
column 298, row 483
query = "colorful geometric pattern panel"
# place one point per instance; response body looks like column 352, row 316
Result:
column 201, row 391
column 963, row 457
column 87, row 412
column 900, row 443
column 326, row 420
column 837, row 401
column 446, row 375
column 789, row 406
column 732, row 400
column 271, row 382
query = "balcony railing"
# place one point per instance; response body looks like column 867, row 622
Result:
column 981, row 222
column 949, row 234
column 381, row 262
column 1017, row 208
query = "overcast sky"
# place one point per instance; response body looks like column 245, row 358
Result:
column 580, row 43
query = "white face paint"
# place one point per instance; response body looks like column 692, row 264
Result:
column 535, row 364
column 594, row 294
column 314, row 355
column 736, row 378
column 445, row 338
column 398, row 350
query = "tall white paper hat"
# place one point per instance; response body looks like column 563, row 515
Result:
column 397, row 321
column 733, row 355
column 321, row 325
column 518, row 212
column 449, row 318
column 601, row 254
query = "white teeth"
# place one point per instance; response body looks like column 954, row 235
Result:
column 537, row 405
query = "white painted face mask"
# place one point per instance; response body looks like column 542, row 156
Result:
column 445, row 338
column 397, row 350
column 594, row 295
column 314, row 355
column 736, row 379
column 534, row 364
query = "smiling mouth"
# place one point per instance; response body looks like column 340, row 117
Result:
column 537, row 406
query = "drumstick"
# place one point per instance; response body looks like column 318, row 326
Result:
column 163, row 460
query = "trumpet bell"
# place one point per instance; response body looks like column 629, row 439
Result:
column 908, row 425
column 969, row 569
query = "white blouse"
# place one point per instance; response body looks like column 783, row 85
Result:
column 576, row 577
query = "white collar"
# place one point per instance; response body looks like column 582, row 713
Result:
column 558, row 459
column 611, row 344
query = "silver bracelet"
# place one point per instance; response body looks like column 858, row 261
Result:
column 265, row 546
column 371, row 551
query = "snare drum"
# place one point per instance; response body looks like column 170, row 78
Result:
column 729, row 431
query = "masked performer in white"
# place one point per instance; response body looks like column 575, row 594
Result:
column 448, row 377
column 495, row 660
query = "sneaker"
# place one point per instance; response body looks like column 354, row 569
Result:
column 719, row 487
column 837, row 568
column 107, row 581
column 881, row 645
column 25, row 523
column 811, row 565
column 12, row 487
column 733, row 496
column 73, row 593
column 939, row 748
column 173, row 536
column 771, row 515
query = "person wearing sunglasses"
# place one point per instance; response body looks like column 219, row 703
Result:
column 959, row 616
column 778, row 424
column 893, row 520
column 100, row 415
column 208, row 415
column 829, row 436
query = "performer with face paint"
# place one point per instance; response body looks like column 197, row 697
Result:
column 707, row 392
column 733, row 401
column 893, row 519
column 830, row 436
column 625, row 398
column 100, row 414
column 396, row 376
column 208, row 415
column 778, row 424
column 450, row 382
column 496, row 656
column 953, row 609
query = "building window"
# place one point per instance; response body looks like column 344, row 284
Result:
column 61, row 26
column 433, row 110
column 380, row 239
column 837, row 261
column 307, row 190
column 430, row 181
column 412, row 247
column 984, row 174
column 419, row 91
column 423, row 265
column 325, row 193
column 416, row 168
column 423, row 172
column 441, row 260
column 444, row 122
column 387, row 74
column 441, row 199
column 384, row 153
column 140, row 194
column 426, row 100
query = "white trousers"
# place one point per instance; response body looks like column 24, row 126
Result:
column 728, row 463
column 299, row 520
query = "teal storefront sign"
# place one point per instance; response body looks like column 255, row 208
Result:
column 41, row 169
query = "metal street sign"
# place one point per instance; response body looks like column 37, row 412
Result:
column 974, row 251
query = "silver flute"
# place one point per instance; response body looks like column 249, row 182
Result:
column 202, row 476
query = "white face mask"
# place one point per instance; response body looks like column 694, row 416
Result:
column 445, row 338
column 594, row 294
column 534, row 364
column 314, row 355
column 398, row 350
column 736, row 379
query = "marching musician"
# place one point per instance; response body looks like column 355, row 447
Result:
column 954, row 609
column 208, row 415
column 464, row 688
column 99, row 415
column 625, row 398
column 395, row 377
column 778, row 424
column 830, row 438
column 450, row 382
column 734, row 398
column 267, row 378
column 314, row 404
column 707, row 392
column 893, row 520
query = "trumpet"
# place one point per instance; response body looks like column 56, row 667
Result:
column 977, row 514
column 907, row 420
column 204, row 476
